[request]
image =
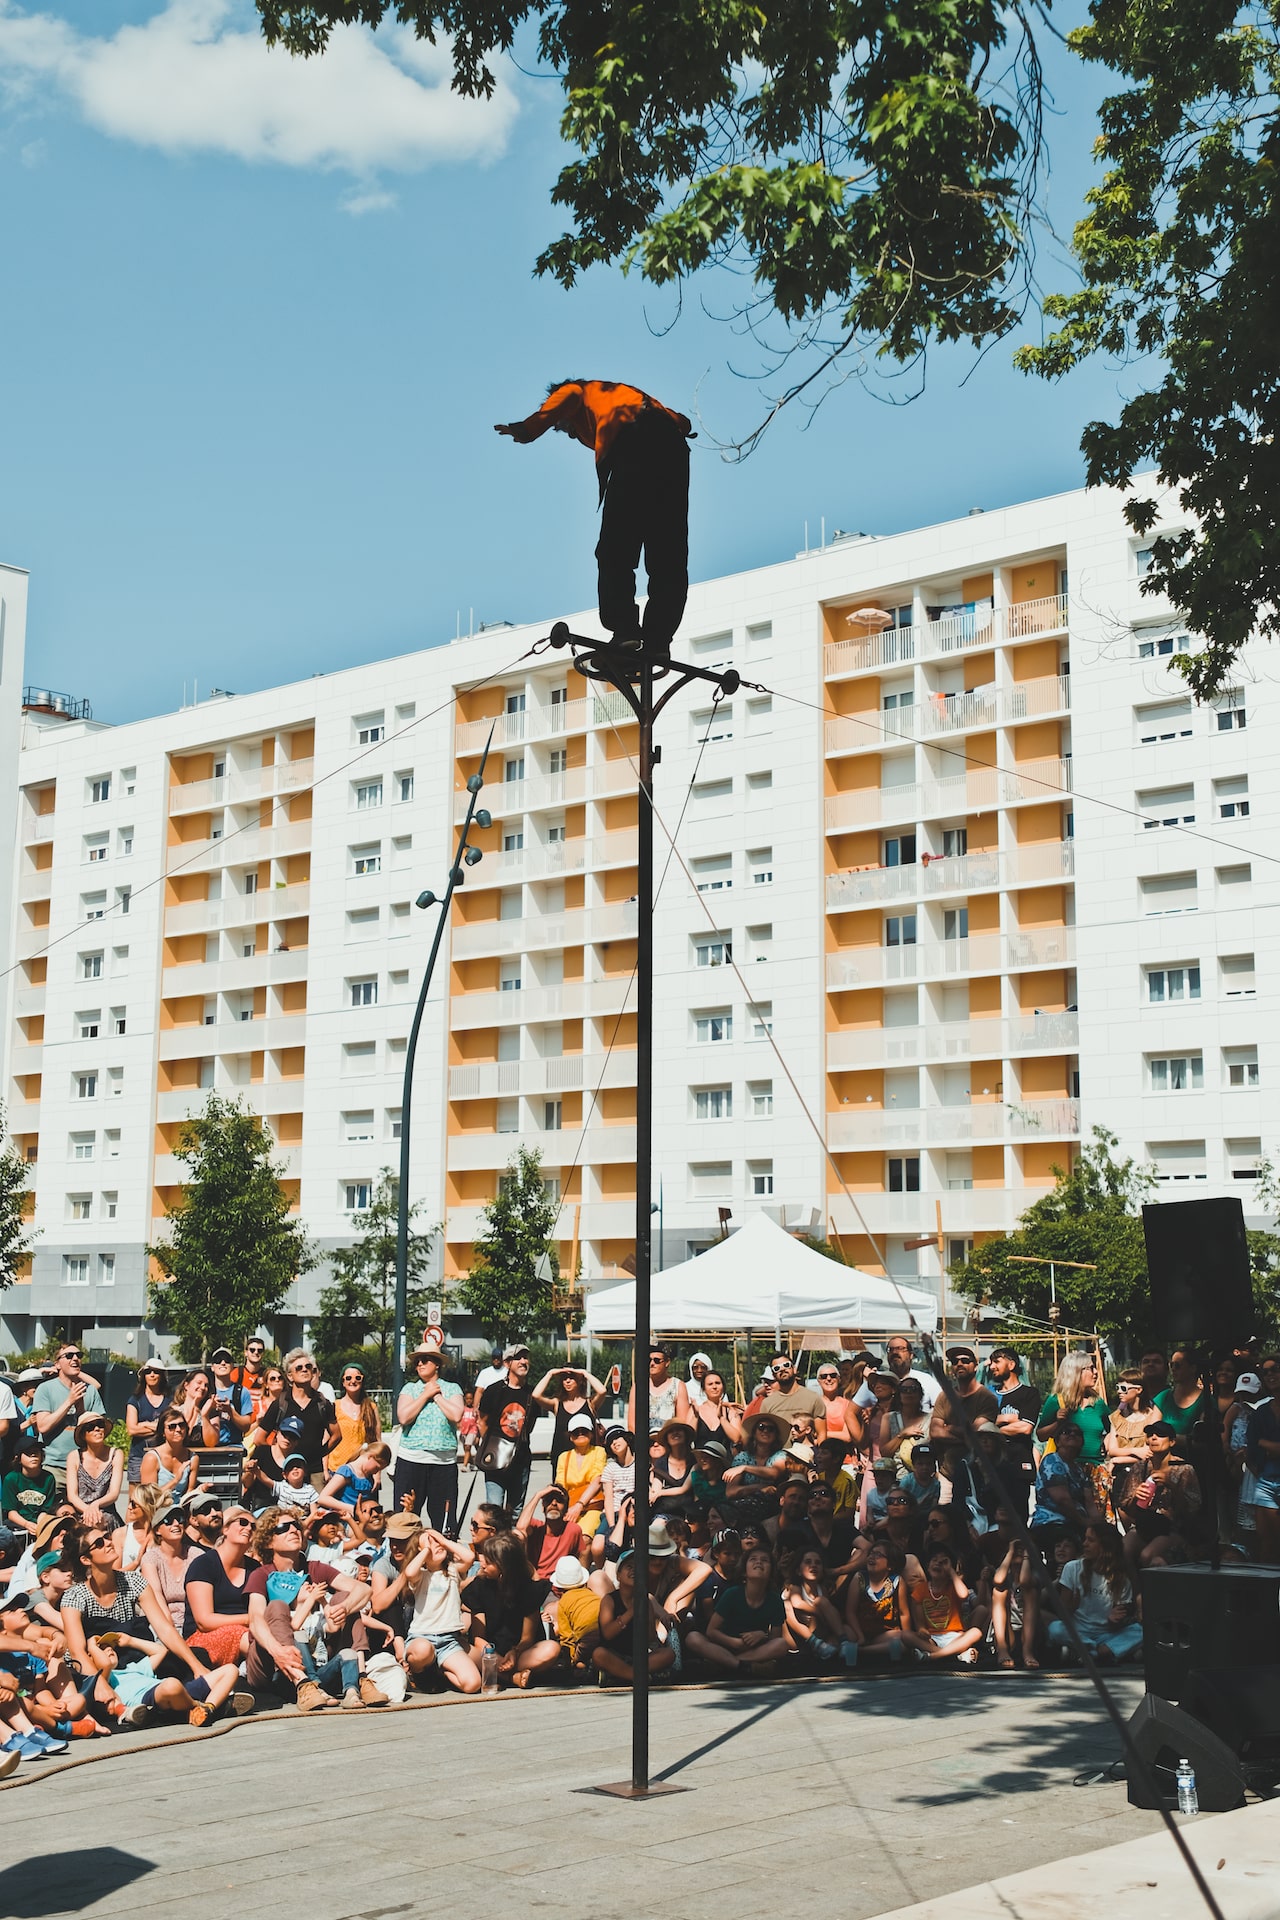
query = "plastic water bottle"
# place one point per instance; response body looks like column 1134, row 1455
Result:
column 1188, row 1799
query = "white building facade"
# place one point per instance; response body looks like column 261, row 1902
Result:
column 941, row 897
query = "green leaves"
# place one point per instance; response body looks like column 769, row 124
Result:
column 1178, row 256
column 15, row 1239
column 233, row 1249
column 359, row 1304
column 505, row 1289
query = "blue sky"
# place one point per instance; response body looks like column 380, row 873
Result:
column 259, row 319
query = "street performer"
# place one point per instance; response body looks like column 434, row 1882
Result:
column 642, row 460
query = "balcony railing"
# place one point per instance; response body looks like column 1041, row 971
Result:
column 239, row 909
column 944, row 1041
column 888, row 1128
column 935, row 875
column 565, row 1146
column 953, row 633
column 580, row 927
column 540, row 722
column 563, row 1073
column 573, row 1000
column 937, row 959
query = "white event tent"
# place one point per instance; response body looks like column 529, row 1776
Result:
column 760, row 1277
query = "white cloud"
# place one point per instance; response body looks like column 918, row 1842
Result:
column 367, row 200
column 198, row 78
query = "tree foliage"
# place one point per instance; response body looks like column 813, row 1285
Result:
column 864, row 159
column 357, row 1310
column 1178, row 256
column 233, row 1250
column 509, row 1287
column 1092, row 1215
column 15, row 1236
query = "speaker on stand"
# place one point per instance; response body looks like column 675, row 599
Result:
column 1163, row 1735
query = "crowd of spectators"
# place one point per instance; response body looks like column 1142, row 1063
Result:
column 873, row 1519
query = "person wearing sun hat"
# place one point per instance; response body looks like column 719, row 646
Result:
column 574, row 1611
column 580, row 1471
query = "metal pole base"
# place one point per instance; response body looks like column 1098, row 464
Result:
column 625, row 1790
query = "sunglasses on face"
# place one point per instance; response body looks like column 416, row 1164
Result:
column 287, row 1526
column 92, row 1546
column 72, row 1353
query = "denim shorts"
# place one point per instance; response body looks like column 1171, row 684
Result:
column 444, row 1643
column 1266, row 1493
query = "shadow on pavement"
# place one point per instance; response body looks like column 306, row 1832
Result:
column 52, row 1883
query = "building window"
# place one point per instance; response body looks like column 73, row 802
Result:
column 1178, row 1073
column 359, row 1196
column 1167, row 643
column 368, row 794
column 1163, row 721
column 1165, row 893
column 357, row 1127
column 359, row 1056
column 760, row 714
column 510, row 978
column 904, row 1173
column 362, row 923
column 1240, row 1066
column 82, row 1146
column 955, row 923
column 760, row 1014
column 119, row 1021
column 81, row 1205
column 404, row 787
column 100, row 790
column 760, row 1174
column 757, row 783
column 75, row 1269
column 713, row 1103
column 759, row 866
column 393, row 1123
column 900, row 930
column 1244, row 1159
column 514, row 768
column 760, row 1096
column 1231, row 797
column 366, row 859
column 760, row 943
column 716, row 950
column 558, row 760
column 126, row 842
column 714, row 873
column 111, row 1144
column 710, row 1178
column 370, row 732
column 507, row 1117
column 107, row 1263
column 1178, row 1161
column 711, row 724
column 1239, row 976
column 364, row 993
column 88, row 1025
column 515, row 703
column 124, row 898
column 110, row 1205
column 900, row 850
column 94, row 905
column 1167, row 807
column 712, row 793
column 1232, row 716
column 711, row 1029
column 96, row 850
column 552, row 1116
column 513, row 842
column 1167, row 984
column 86, row 1086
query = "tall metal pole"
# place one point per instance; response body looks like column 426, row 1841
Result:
column 466, row 856
column 644, row 1232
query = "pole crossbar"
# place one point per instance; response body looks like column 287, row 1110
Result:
column 641, row 678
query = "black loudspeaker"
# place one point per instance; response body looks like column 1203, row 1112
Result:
column 1163, row 1735
column 1241, row 1705
column 1198, row 1269
column 1194, row 1617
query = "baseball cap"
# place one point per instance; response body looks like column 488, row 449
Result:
column 292, row 1459
column 19, row 1603
column 962, row 1353
column 1004, row 1353
column 222, row 1353
column 403, row 1526
column 581, row 1423
column 46, row 1561
column 716, row 1449
column 1249, row 1383
column 201, row 1503
column 291, row 1426
column 514, row 1351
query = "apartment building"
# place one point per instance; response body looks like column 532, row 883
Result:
column 934, row 896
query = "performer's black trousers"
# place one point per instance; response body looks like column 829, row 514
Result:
column 645, row 505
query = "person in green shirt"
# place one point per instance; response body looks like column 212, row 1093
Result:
column 29, row 1491
column 1182, row 1400
column 1075, row 1400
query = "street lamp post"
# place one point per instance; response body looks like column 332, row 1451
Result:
column 466, row 856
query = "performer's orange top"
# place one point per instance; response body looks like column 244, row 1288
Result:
column 593, row 412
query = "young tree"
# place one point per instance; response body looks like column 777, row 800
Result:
column 1093, row 1215
column 233, row 1250
column 509, row 1286
column 15, row 1238
column 359, row 1304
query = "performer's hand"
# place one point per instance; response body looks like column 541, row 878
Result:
column 515, row 430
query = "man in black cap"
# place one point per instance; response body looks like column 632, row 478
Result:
column 945, row 1429
column 506, row 1422
column 235, row 1404
column 1019, row 1411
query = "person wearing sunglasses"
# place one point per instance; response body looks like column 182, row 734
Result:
column 359, row 1421
column 164, row 1563
column 58, row 1403
column 95, row 1472
column 143, row 1414
column 217, row 1615
column 303, row 1401
column 668, row 1396
column 171, row 1463
column 283, row 1593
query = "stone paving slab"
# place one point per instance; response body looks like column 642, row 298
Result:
column 875, row 1793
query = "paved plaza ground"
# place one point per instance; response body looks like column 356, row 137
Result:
column 856, row 1797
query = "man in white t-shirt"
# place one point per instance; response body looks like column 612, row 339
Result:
column 488, row 1375
column 897, row 1361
